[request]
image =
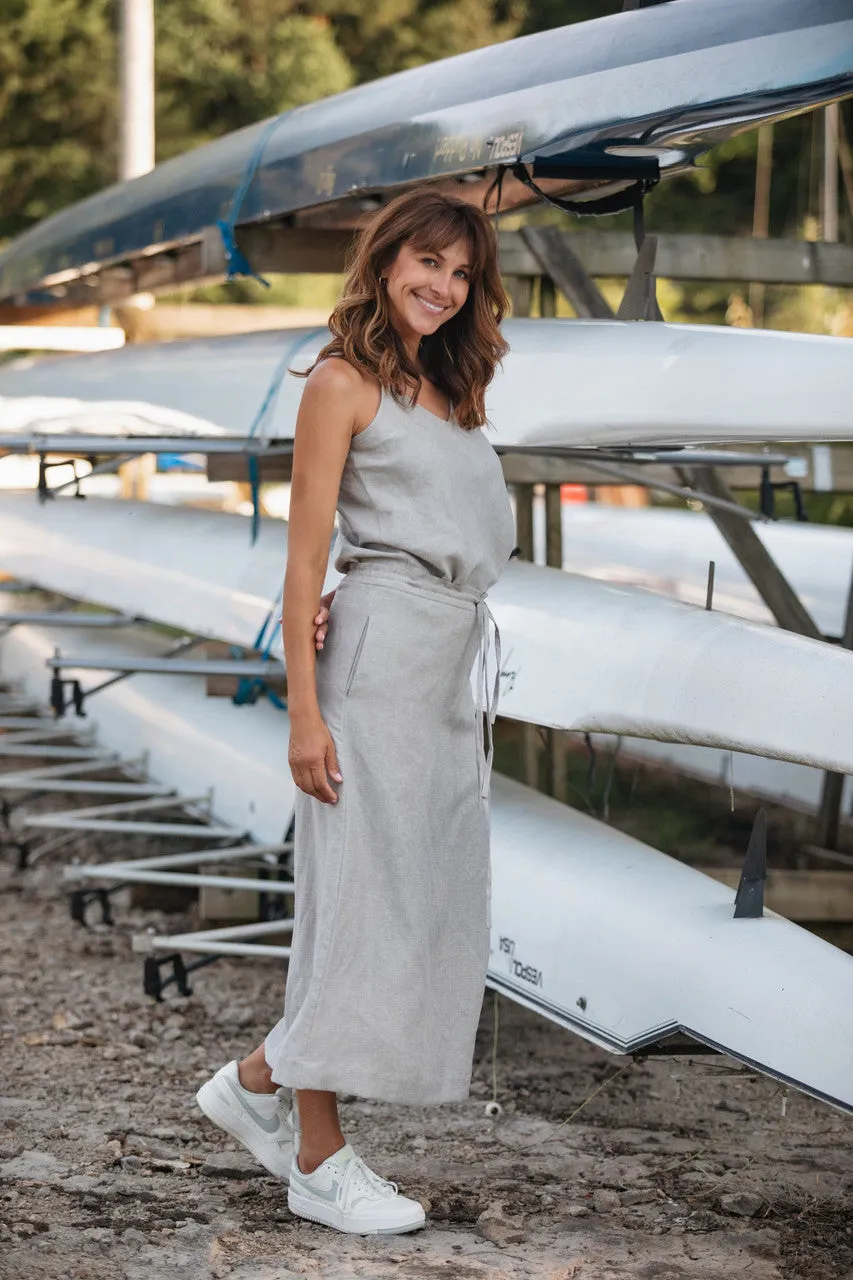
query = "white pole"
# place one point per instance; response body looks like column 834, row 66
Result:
column 136, row 80
column 136, row 156
column 830, row 173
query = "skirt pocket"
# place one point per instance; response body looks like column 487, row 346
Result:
column 356, row 656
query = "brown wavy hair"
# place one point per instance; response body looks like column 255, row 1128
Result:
column 462, row 354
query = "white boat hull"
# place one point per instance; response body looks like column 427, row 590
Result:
column 668, row 552
column 577, row 654
column 565, row 383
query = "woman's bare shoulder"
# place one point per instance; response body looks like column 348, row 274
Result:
column 337, row 377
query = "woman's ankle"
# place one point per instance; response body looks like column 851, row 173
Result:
column 255, row 1075
column 310, row 1158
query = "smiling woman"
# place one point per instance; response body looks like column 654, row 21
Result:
column 422, row 305
column 392, row 825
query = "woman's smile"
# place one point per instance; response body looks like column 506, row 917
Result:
column 433, row 307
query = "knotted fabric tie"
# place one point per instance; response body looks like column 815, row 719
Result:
column 490, row 698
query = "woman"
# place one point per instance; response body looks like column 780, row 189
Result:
column 391, row 936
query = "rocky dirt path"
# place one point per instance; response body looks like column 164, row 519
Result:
column 109, row 1172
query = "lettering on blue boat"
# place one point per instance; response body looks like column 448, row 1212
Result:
column 505, row 146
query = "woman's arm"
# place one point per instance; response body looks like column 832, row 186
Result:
column 324, row 428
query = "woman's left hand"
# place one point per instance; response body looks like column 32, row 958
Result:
column 321, row 621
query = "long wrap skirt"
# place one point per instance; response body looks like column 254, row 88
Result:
column 391, row 936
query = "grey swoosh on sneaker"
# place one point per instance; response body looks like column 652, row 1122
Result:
column 269, row 1126
column 330, row 1194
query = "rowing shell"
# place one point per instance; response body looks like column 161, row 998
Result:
column 564, row 384
column 599, row 100
column 577, row 654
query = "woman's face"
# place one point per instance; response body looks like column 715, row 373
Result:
column 426, row 287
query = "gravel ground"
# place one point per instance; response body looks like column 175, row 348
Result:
column 108, row 1171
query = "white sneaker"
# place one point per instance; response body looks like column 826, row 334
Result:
column 263, row 1122
column 344, row 1193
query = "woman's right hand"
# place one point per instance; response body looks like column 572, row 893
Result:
column 321, row 621
column 312, row 756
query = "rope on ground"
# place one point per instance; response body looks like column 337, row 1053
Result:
column 548, row 1136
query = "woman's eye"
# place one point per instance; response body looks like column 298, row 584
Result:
column 461, row 270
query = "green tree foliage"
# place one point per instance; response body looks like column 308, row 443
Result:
column 222, row 64
column 385, row 36
column 57, row 106
column 544, row 15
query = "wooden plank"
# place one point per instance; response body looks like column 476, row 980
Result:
column 602, row 253
column 829, row 810
column 524, row 520
column 556, row 741
column 520, row 290
column 800, row 895
column 693, row 257
column 817, row 468
column 553, row 527
column 544, row 468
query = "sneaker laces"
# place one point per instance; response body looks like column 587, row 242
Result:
column 359, row 1178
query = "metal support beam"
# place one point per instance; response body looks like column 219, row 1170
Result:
column 226, row 942
column 112, row 819
column 82, row 621
column 197, row 858
column 264, row 668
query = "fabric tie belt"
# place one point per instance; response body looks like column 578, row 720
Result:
column 402, row 573
column 490, row 700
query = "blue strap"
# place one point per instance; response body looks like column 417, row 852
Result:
column 260, row 419
column 250, row 689
column 236, row 262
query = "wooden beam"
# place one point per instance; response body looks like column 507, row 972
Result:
column 524, row 520
column 830, row 469
column 304, row 249
column 553, row 527
column 829, row 809
column 520, row 290
column 692, row 257
column 287, row 250
column 547, row 297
